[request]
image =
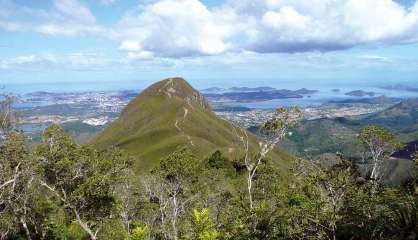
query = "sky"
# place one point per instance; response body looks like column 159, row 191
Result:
column 209, row 42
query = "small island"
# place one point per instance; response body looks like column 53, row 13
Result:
column 360, row 93
column 258, row 94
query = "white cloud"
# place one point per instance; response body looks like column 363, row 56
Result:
column 135, row 51
column 373, row 57
column 187, row 28
column 140, row 55
column 130, row 46
column 67, row 29
column 67, row 17
column 73, row 10
column 179, row 28
column 74, row 61
column 175, row 28
column 285, row 17
column 326, row 25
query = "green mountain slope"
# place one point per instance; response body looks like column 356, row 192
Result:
column 320, row 136
column 313, row 138
column 401, row 118
column 167, row 115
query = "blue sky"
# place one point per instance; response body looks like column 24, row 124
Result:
column 209, row 42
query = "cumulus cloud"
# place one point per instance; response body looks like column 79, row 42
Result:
column 175, row 28
column 326, row 25
column 179, row 28
column 188, row 28
column 130, row 46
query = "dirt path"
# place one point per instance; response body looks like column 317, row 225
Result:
column 186, row 111
column 170, row 81
column 176, row 125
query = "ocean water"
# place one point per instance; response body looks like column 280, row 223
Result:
column 199, row 83
column 324, row 95
column 22, row 88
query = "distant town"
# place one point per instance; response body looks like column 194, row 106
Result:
column 91, row 108
column 254, row 117
column 99, row 108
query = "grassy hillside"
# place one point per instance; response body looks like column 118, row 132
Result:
column 313, row 138
column 402, row 119
column 167, row 115
column 322, row 138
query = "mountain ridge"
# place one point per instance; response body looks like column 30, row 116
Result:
column 167, row 115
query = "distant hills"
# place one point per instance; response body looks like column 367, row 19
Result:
column 253, row 96
column 237, row 89
column 339, row 134
column 401, row 118
column 245, row 94
column 321, row 137
column 248, row 89
column 368, row 100
column 167, row 115
column 360, row 93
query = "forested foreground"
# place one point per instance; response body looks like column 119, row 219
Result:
column 61, row 190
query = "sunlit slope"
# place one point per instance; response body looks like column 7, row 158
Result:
column 320, row 136
column 402, row 119
column 170, row 114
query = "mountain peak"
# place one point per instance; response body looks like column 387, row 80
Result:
column 177, row 88
column 168, row 114
column 165, row 116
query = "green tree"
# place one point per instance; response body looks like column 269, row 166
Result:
column 81, row 178
column 272, row 132
column 379, row 144
column 173, row 187
column 9, row 117
column 317, row 200
column 17, row 185
column 129, row 196
column 139, row 233
column 217, row 160
column 202, row 226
